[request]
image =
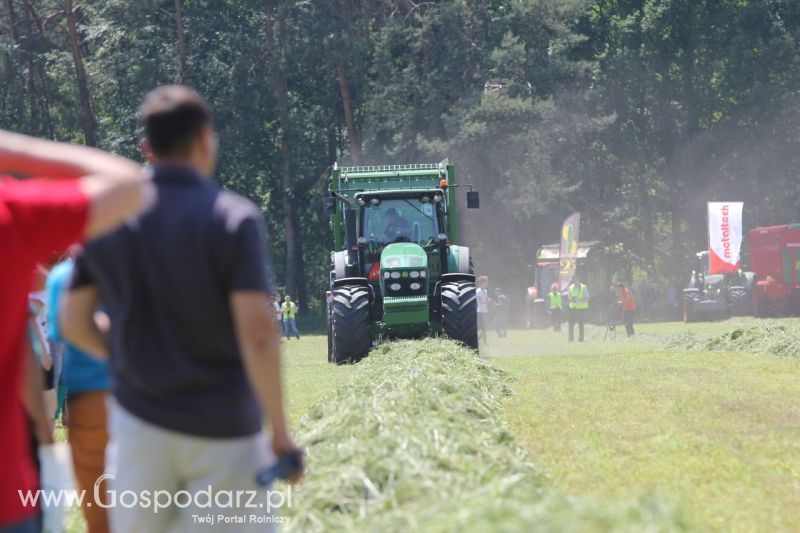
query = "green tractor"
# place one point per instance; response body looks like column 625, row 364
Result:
column 396, row 269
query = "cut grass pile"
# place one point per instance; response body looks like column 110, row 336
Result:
column 415, row 440
column 773, row 339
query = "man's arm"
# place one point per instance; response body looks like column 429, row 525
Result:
column 77, row 321
column 116, row 188
column 259, row 341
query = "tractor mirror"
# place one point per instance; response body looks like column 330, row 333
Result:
column 329, row 205
column 473, row 200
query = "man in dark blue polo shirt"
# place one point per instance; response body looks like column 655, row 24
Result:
column 195, row 350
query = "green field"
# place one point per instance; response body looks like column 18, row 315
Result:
column 716, row 433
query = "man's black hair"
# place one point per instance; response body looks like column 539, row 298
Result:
column 172, row 117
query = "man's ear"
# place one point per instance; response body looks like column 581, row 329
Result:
column 206, row 140
column 144, row 146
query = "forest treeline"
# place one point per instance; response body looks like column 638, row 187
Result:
column 633, row 112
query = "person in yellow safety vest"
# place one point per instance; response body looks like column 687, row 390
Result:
column 578, row 297
column 288, row 314
column 555, row 306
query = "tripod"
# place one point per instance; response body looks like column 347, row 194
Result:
column 612, row 314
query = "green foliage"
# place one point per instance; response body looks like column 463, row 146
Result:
column 633, row 112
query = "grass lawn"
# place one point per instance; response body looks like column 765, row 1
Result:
column 718, row 433
column 308, row 376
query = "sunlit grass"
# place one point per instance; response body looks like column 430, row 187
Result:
column 718, row 433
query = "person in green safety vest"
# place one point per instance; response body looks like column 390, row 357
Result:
column 288, row 314
column 555, row 306
column 578, row 297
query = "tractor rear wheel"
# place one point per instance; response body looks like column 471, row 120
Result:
column 349, row 324
column 460, row 312
column 739, row 301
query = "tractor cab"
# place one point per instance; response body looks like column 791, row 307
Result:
column 416, row 219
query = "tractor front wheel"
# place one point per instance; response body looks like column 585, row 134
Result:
column 349, row 324
column 460, row 312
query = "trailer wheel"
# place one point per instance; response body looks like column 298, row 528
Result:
column 349, row 324
column 460, row 312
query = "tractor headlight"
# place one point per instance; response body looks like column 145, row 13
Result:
column 395, row 286
column 375, row 201
column 386, row 275
column 361, row 202
column 396, row 274
column 437, row 198
column 422, row 273
column 414, row 274
column 415, row 286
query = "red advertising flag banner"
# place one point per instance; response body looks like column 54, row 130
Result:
column 568, row 253
column 724, row 236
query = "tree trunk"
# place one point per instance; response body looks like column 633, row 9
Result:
column 181, row 40
column 648, row 232
column 89, row 121
column 344, row 87
column 294, row 255
column 12, row 21
column 332, row 143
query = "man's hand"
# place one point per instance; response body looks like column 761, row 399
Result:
column 78, row 324
column 283, row 444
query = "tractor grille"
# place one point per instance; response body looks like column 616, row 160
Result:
column 404, row 299
column 405, row 287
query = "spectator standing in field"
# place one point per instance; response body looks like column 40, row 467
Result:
column 482, row 295
column 578, row 297
column 276, row 307
column 500, row 310
column 289, row 316
column 39, row 218
column 196, row 350
column 628, row 304
column 555, row 305
column 87, row 382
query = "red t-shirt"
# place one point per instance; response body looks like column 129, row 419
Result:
column 625, row 295
column 38, row 219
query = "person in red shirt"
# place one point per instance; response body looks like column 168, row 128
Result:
column 89, row 193
column 625, row 298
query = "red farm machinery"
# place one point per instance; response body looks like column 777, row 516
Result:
column 775, row 260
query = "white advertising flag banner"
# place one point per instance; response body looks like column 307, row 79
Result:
column 724, row 236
